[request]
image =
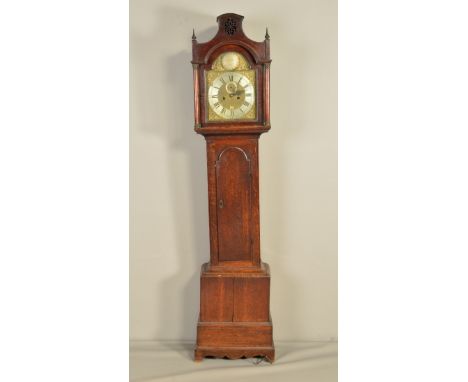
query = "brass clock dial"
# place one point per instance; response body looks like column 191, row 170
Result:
column 231, row 89
column 231, row 95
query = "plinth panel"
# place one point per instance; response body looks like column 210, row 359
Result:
column 235, row 340
column 237, row 334
column 251, row 299
column 234, row 297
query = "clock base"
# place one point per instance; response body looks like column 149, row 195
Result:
column 235, row 319
column 234, row 340
column 235, row 352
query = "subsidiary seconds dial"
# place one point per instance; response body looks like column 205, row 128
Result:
column 231, row 95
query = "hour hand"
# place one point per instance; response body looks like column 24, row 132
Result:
column 238, row 92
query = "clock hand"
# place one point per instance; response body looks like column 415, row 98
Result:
column 239, row 92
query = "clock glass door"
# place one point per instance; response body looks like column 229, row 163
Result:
column 230, row 85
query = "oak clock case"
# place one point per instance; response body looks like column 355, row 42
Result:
column 231, row 110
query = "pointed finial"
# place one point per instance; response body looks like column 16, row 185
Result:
column 193, row 35
column 267, row 36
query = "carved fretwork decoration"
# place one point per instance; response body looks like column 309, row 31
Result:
column 230, row 26
column 231, row 76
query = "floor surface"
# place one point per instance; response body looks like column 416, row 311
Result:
column 173, row 361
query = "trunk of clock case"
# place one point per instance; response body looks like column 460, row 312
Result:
column 233, row 201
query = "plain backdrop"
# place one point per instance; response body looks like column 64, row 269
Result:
column 64, row 195
column 298, row 166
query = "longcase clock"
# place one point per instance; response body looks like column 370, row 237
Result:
column 232, row 109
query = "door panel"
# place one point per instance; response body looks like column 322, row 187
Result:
column 234, row 186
